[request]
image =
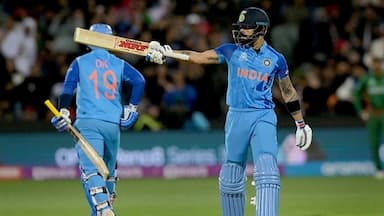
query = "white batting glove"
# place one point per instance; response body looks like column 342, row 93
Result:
column 303, row 135
column 130, row 116
column 167, row 49
column 155, row 57
column 155, row 46
column 65, row 113
column 61, row 123
column 155, row 53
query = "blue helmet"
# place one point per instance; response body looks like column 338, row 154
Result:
column 101, row 28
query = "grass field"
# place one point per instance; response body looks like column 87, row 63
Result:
column 331, row 196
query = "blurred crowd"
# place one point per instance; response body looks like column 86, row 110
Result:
column 328, row 46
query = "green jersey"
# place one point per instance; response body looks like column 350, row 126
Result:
column 372, row 87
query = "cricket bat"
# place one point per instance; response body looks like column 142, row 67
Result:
column 117, row 43
column 83, row 143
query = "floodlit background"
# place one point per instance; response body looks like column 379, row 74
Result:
column 169, row 161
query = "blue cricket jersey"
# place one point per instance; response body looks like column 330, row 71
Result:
column 98, row 77
column 251, row 75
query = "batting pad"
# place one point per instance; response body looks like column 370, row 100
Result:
column 232, row 189
column 267, row 181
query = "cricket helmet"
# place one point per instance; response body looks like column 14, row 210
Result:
column 101, row 28
column 250, row 18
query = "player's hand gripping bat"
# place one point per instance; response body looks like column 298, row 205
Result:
column 118, row 44
column 83, row 143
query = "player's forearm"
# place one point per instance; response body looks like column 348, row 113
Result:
column 291, row 99
column 206, row 57
column 297, row 115
column 294, row 107
column 137, row 92
column 65, row 100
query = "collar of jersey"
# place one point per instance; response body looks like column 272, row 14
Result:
column 263, row 47
column 99, row 50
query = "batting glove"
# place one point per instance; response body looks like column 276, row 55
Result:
column 130, row 116
column 61, row 123
column 155, row 57
column 155, row 53
column 155, row 45
column 303, row 135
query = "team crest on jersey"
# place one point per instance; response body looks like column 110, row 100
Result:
column 243, row 56
column 267, row 62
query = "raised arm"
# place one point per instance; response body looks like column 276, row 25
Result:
column 205, row 57
column 157, row 52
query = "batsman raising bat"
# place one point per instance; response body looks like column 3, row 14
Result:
column 251, row 121
column 98, row 77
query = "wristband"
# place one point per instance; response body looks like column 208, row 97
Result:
column 293, row 106
column 300, row 123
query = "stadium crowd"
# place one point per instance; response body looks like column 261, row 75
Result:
column 328, row 46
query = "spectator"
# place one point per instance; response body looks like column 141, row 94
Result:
column 6, row 88
column 320, row 33
column 62, row 27
column 178, row 101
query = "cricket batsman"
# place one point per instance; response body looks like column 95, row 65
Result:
column 98, row 77
column 251, row 121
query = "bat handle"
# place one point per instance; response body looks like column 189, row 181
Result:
column 52, row 108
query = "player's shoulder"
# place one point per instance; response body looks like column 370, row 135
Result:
column 226, row 49
column 103, row 54
column 117, row 58
column 227, row 46
column 273, row 51
column 275, row 54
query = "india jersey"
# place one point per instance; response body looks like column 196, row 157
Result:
column 251, row 75
column 98, row 77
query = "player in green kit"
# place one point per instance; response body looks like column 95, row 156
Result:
column 369, row 104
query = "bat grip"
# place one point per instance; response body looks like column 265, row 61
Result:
column 52, row 108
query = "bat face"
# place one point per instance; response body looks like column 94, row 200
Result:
column 110, row 42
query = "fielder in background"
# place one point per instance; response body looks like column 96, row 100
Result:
column 251, row 120
column 98, row 77
column 369, row 104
